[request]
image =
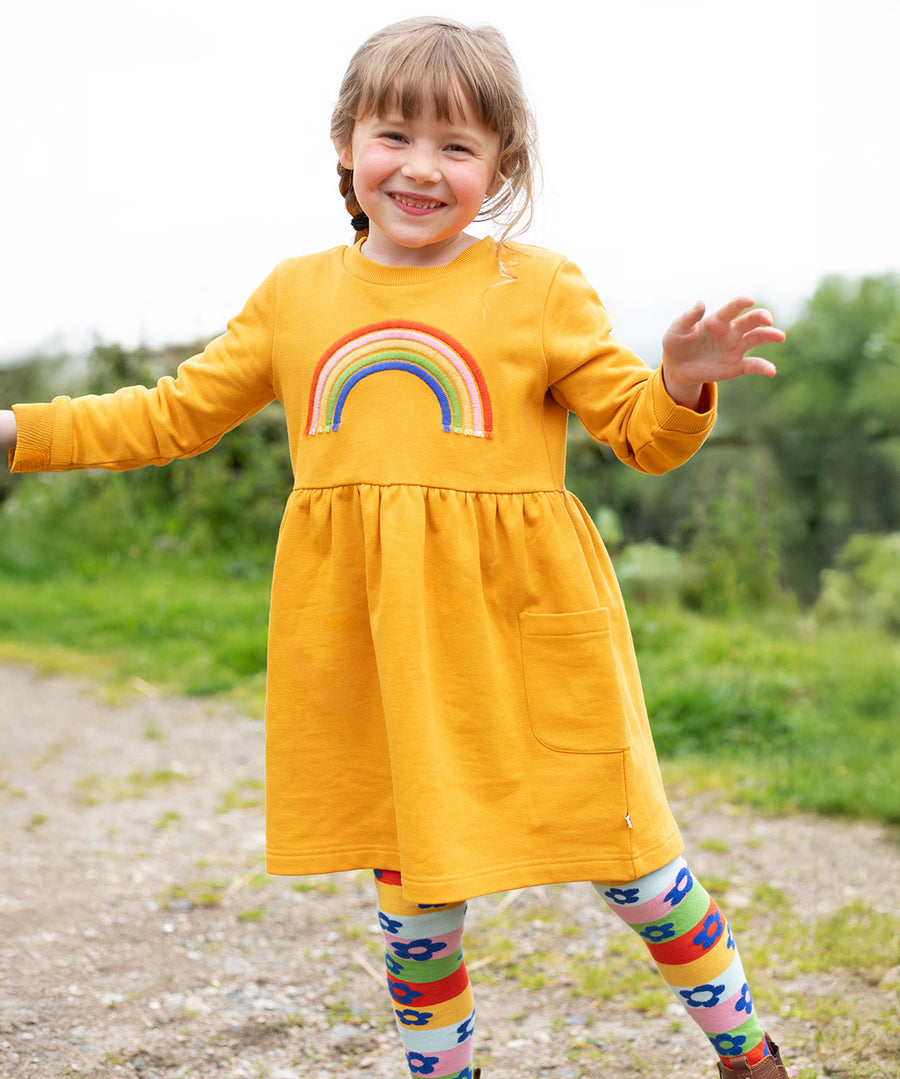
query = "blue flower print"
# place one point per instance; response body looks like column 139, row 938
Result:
column 403, row 993
column 702, row 996
column 388, row 924
column 409, row 1017
column 730, row 942
column 421, row 1065
column 391, row 963
column 419, row 949
column 658, row 933
column 465, row 1030
column 745, row 1004
column 430, row 906
column 622, row 896
column 683, row 884
column 713, row 927
column 728, row 1045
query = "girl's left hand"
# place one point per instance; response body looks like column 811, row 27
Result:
column 698, row 350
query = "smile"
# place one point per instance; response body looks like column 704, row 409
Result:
column 413, row 202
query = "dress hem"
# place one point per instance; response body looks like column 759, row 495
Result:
column 612, row 870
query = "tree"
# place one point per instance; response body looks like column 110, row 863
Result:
column 831, row 423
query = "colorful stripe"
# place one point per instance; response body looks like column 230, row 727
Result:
column 440, row 1063
column 427, row 980
column 694, row 950
column 434, row 1039
column 441, row 362
column 422, row 994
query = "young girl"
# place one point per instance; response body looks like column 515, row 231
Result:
column 453, row 697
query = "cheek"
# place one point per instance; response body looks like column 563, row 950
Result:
column 374, row 166
column 472, row 187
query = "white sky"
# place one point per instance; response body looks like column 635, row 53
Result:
column 160, row 156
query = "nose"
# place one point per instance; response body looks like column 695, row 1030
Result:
column 420, row 164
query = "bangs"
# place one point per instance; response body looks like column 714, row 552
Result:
column 430, row 74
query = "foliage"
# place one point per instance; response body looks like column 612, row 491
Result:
column 28, row 380
column 794, row 467
column 863, row 588
column 778, row 710
column 832, row 424
column 229, row 499
column 721, row 511
column 651, row 574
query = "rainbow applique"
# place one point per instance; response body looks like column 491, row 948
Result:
column 437, row 359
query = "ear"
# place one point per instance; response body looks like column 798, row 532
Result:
column 496, row 185
column 345, row 155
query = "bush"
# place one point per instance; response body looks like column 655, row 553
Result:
column 863, row 588
column 650, row 574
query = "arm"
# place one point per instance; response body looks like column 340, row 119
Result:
column 182, row 416
column 7, row 430
column 698, row 351
column 619, row 399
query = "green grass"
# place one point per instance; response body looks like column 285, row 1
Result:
column 775, row 710
column 768, row 707
column 189, row 628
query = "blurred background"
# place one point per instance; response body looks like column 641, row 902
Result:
column 162, row 157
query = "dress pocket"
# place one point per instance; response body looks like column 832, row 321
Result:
column 572, row 682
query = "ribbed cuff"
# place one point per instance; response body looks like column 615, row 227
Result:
column 42, row 444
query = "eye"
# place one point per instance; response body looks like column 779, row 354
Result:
column 457, row 148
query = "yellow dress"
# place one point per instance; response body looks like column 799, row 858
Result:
column 452, row 688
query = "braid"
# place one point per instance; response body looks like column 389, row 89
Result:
column 345, row 186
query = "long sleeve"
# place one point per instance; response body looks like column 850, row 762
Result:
column 180, row 417
column 622, row 402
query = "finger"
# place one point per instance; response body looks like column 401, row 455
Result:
column 735, row 307
column 686, row 322
column 762, row 335
column 749, row 320
column 757, row 365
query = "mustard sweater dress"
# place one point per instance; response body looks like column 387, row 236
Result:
column 452, row 688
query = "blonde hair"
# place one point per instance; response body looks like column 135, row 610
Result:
column 436, row 64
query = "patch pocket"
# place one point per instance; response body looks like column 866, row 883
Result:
column 572, row 682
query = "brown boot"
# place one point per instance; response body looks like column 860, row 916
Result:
column 771, row 1067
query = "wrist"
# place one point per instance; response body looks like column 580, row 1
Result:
column 686, row 394
column 7, row 429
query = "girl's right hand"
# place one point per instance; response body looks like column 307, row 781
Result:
column 7, row 429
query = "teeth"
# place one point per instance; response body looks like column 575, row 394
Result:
column 421, row 204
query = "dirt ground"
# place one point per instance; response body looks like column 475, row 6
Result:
column 140, row 936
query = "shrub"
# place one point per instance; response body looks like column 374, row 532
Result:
column 863, row 588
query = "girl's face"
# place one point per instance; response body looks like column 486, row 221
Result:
column 421, row 182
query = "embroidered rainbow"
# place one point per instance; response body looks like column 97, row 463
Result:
column 441, row 362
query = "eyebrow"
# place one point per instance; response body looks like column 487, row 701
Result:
column 452, row 129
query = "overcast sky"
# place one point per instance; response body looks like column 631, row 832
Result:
column 160, row 156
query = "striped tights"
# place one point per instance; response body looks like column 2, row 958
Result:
column 686, row 934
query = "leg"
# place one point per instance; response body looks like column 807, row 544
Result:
column 693, row 947
column 427, row 980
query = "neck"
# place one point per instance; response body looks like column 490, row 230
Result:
column 439, row 254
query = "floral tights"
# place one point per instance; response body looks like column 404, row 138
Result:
column 686, row 934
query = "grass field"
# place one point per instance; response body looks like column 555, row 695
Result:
column 783, row 713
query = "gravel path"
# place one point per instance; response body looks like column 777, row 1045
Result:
column 140, row 936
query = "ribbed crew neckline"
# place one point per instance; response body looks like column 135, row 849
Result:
column 356, row 263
